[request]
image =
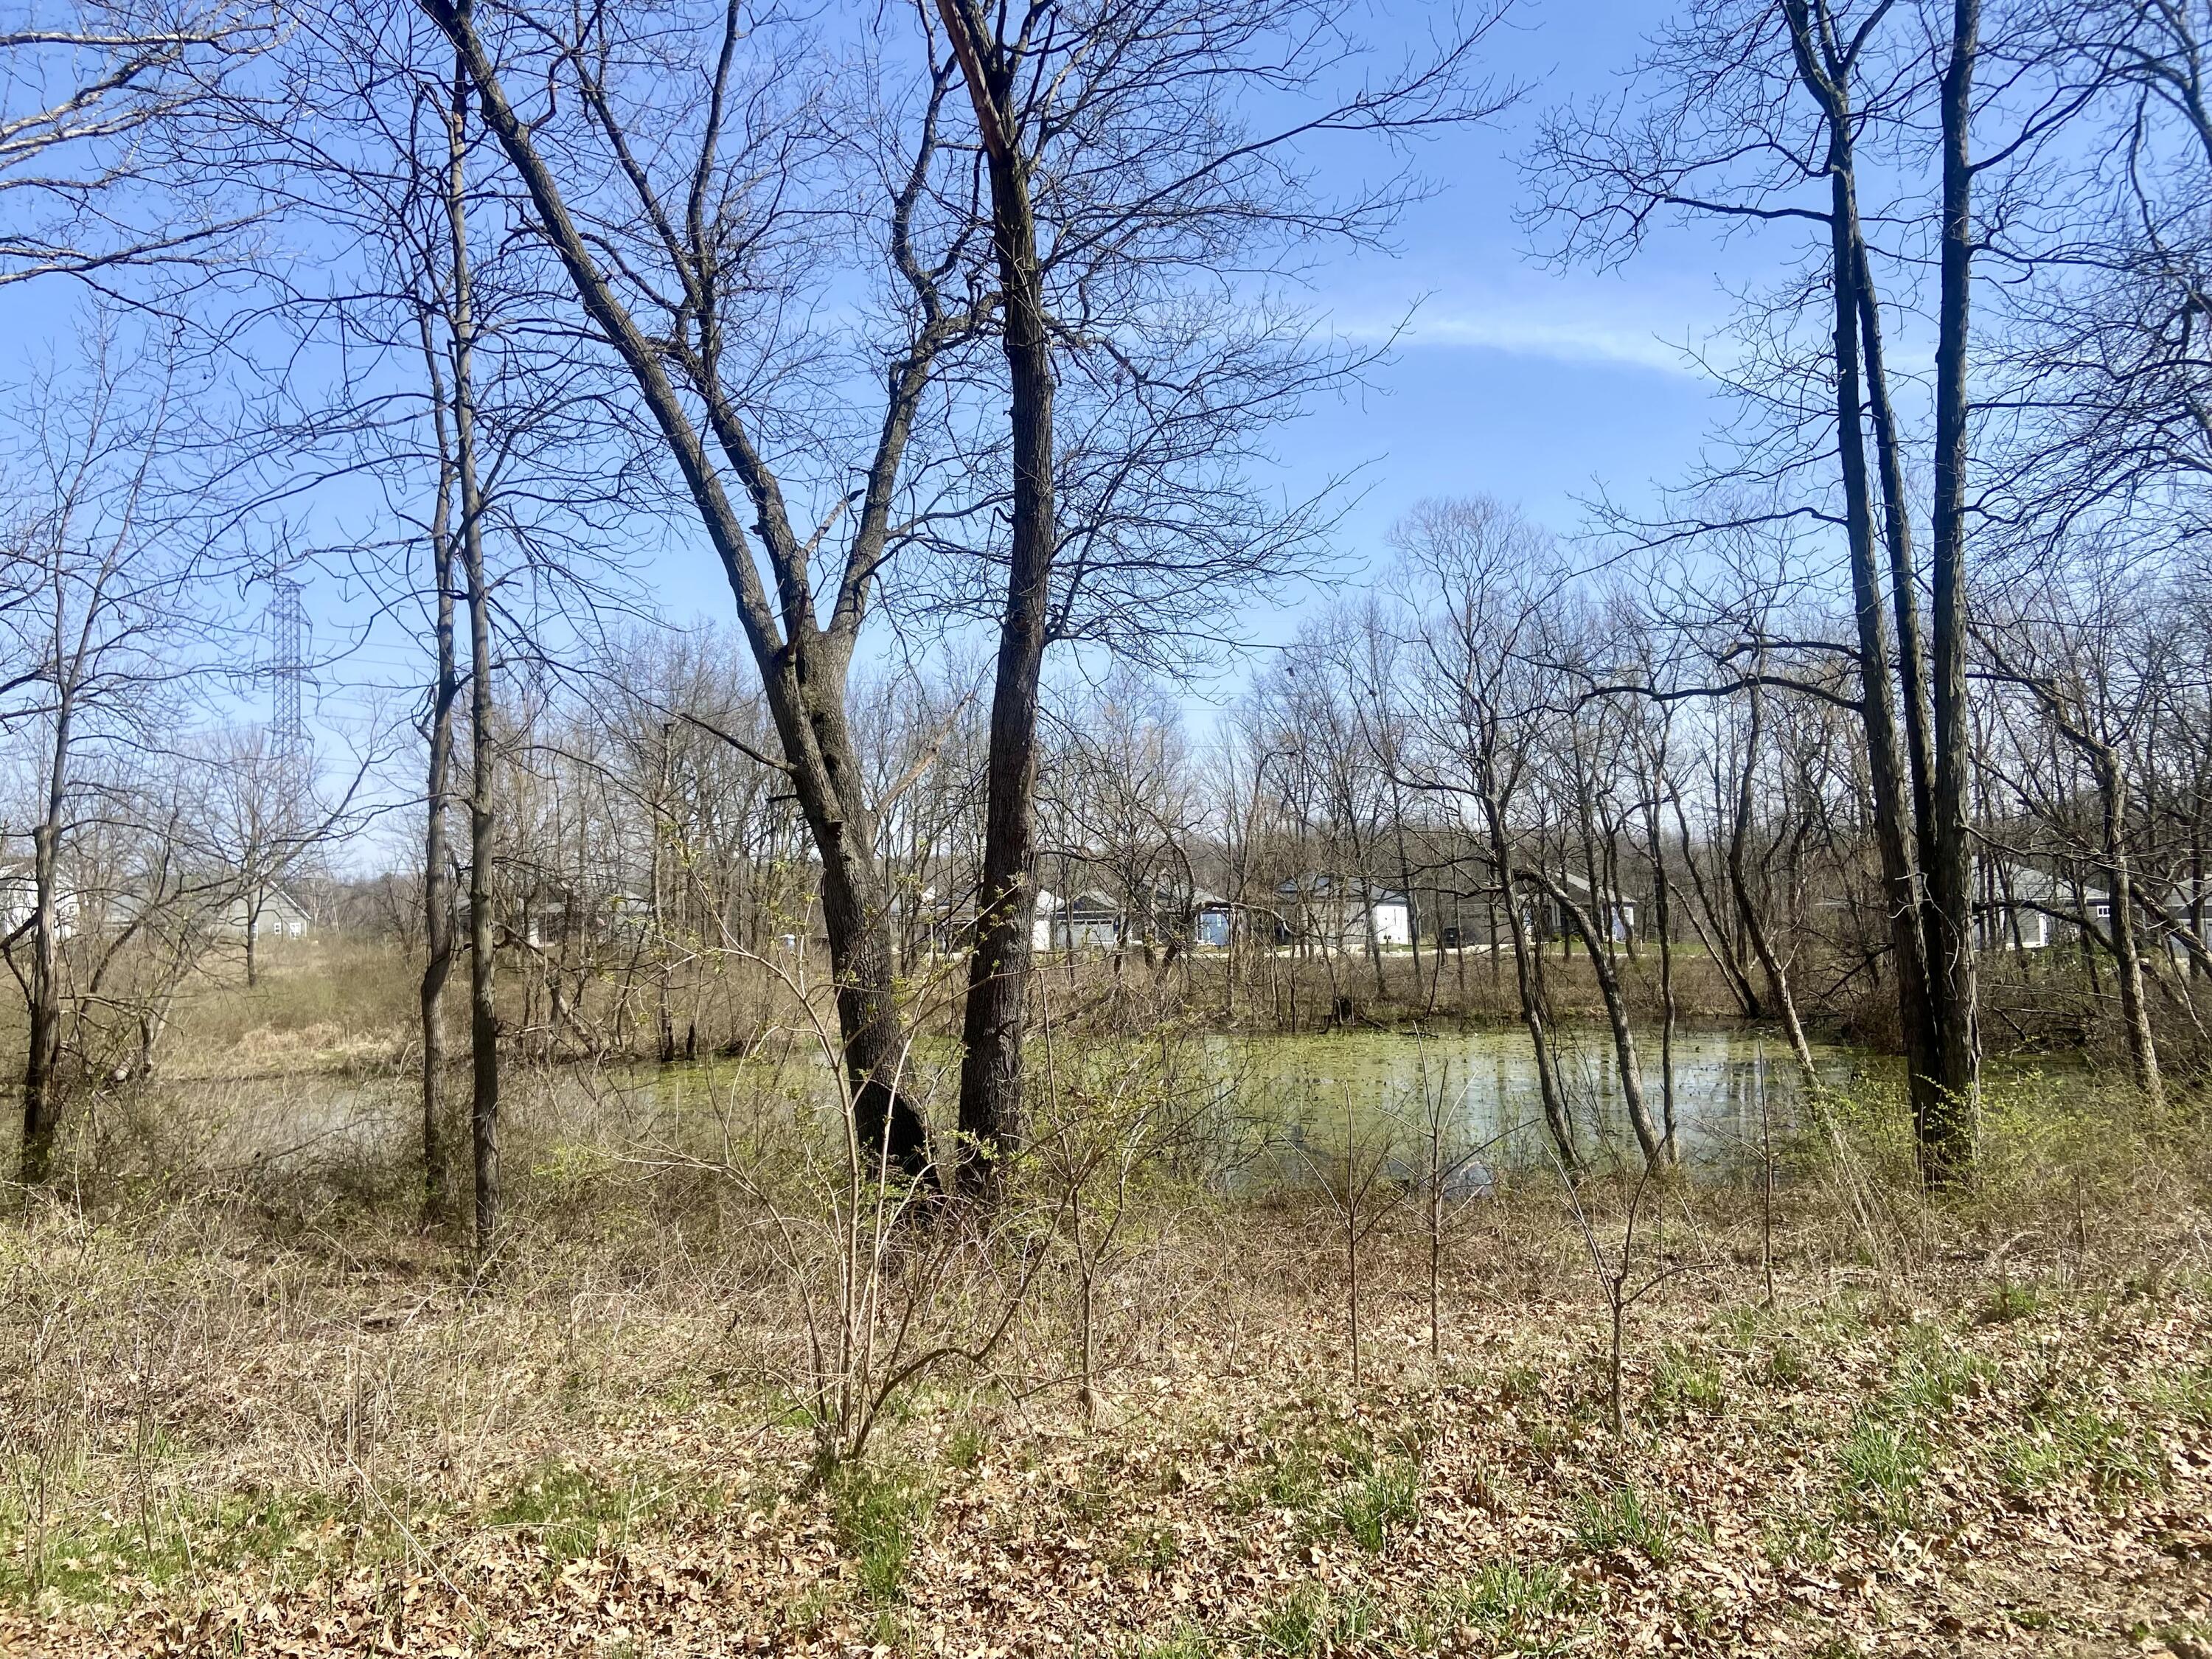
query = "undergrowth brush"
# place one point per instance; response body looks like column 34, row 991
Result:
column 254, row 1404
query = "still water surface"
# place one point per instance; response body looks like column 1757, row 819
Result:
column 1276, row 1100
column 1323, row 1090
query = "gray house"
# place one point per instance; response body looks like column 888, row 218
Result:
column 270, row 912
column 2034, row 909
column 1090, row 920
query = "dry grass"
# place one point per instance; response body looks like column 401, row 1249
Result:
column 267, row 1416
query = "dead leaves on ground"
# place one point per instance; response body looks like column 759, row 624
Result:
column 1839, row 1477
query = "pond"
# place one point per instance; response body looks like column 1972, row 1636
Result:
column 1384, row 1088
column 1274, row 1104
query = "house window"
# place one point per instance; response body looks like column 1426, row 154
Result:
column 2104, row 912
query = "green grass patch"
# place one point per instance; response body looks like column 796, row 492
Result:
column 1291, row 1477
column 2077, row 1443
column 571, row 1512
column 1381, row 1504
column 2187, row 1392
column 964, row 1448
column 1308, row 1622
column 1743, row 1324
column 1685, row 1382
column 1796, row 1538
column 1623, row 1518
column 1506, row 1599
column 1883, row 1463
column 1186, row 1642
column 1787, row 1366
column 78, row 1558
column 1931, row 1377
column 1151, row 1547
column 876, row 1515
column 1518, row 1383
column 2006, row 1303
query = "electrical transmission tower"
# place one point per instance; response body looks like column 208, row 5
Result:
column 287, row 678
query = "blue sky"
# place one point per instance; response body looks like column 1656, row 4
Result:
column 1510, row 378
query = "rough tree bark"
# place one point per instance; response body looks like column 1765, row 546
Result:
column 1947, row 1112
column 483, row 1015
column 1826, row 75
column 445, row 692
column 998, row 977
column 41, row 1103
column 805, row 665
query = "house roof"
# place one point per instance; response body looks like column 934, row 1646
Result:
column 1320, row 886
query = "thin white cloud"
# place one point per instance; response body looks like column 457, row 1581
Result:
column 1575, row 339
column 1575, row 322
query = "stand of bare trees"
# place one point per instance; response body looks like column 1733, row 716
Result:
column 1890, row 722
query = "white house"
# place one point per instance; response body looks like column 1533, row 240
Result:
column 19, row 898
column 1554, row 923
column 1341, row 916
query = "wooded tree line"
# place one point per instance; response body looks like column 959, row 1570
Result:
column 967, row 324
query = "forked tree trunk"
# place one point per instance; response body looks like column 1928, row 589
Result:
column 803, row 667
column 1923, row 864
column 1947, row 1120
column 1648, row 1135
column 2127, row 949
column 1755, row 924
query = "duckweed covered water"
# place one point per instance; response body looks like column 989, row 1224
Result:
column 1265, row 1106
column 1377, row 1087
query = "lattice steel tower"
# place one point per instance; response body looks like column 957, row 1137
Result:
column 288, row 678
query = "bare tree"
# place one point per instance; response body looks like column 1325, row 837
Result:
column 108, row 157
column 1484, row 578
column 1120, row 169
column 2080, row 646
column 97, row 646
column 1817, row 85
column 681, row 229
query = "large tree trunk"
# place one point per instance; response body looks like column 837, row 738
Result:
column 1895, row 835
column 2126, row 950
column 437, row 882
column 1592, row 935
column 1662, row 908
column 1949, row 1116
column 42, row 1057
column 856, row 910
column 41, row 1102
column 803, row 667
column 1526, row 971
column 997, row 975
column 483, row 1016
column 1924, row 867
